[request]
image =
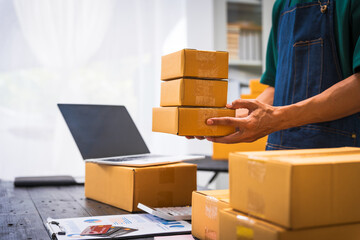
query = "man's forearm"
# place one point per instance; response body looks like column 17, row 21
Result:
column 267, row 96
column 340, row 100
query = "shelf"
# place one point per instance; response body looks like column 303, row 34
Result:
column 252, row 2
column 244, row 63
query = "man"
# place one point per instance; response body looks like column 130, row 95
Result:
column 312, row 69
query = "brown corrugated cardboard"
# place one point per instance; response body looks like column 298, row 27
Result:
column 297, row 188
column 238, row 226
column 156, row 186
column 205, row 212
column 249, row 96
column 221, row 151
column 194, row 92
column 185, row 121
column 256, row 87
column 195, row 64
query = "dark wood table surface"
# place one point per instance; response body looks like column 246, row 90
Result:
column 24, row 209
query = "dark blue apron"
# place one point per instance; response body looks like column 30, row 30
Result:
column 307, row 65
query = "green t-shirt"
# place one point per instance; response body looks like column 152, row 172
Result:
column 347, row 37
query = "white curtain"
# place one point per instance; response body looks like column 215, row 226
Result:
column 84, row 51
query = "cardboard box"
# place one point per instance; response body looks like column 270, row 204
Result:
column 256, row 87
column 156, row 186
column 297, row 188
column 249, row 96
column 195, row 64
column 238, row 226
column 205, row 212
column 221, row 151
column 190, row 121
column 194, row 92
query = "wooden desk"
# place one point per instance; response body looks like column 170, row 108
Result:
column 23, row 210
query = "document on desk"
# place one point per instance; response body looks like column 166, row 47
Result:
column 114, row 226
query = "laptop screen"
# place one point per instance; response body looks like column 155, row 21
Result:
column 102, row 130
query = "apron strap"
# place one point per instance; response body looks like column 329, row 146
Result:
column 287, row 3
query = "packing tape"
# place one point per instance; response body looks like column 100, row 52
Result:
column 206, row 64
column 203, row 91
column 204, row 100
column 211, row 212
column 210, row 234
column 203, row 86
column 211, row 207
column 165, row 198
column 166, row 175
column 257, row 170
column 256, row 204
column 244, row 231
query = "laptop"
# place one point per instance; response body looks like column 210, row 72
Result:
column 106, row 134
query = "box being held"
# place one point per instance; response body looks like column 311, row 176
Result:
column 195, row 64
column 297, row 188
column 238, row 226
column 186, row 121
column 205, row 212
column 156, row 186
column 194, row 92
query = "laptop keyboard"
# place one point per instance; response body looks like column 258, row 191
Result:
column 125, row 159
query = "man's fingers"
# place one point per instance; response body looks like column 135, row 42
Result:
column 226, row 121
column 241, row 103
column 232, row 138
column 199, row 137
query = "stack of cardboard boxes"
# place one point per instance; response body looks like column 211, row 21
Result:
column 221, row 151
column 284, row 195
column 193, row 89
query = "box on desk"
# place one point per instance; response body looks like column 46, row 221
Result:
column 194, row 92
column 156, row 186
column 185, row 121
column 205, row 212
column 221, row 151
column 297, row 188
column 196, row 64
column 238, row 226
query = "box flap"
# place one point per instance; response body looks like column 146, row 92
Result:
column 236, row 225
column 155, row 185
column 101, row 180
column 258, row 195
column 165, row 120
column 171, row 67
column 171, row 93
column 305, row 156
column 205, row 212
column 221, row 195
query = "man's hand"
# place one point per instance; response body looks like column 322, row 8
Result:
column 340, row 100
column 241, row 112
column 259, row 122
column 197, row 137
